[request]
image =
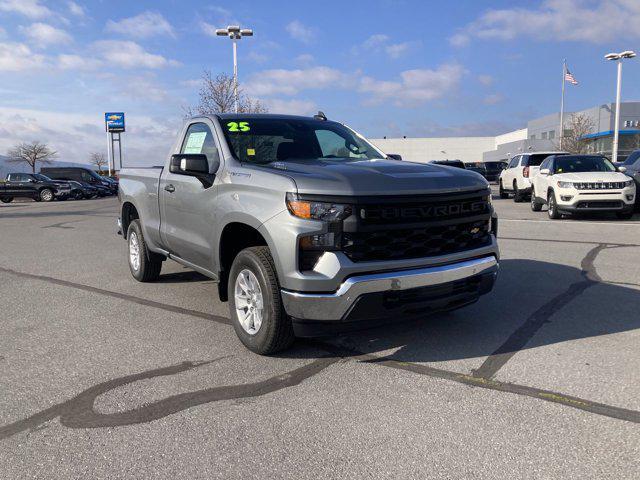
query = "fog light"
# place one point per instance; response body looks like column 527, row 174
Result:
column 566, row 198
column 630, row 197
column 318, row 241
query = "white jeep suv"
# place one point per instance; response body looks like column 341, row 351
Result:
column 516, row 178
column 582, row 183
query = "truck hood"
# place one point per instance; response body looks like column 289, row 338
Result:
column 591, row 177
column 351, row 177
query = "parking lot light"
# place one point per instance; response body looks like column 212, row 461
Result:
column 235, row 33
column 618, row 57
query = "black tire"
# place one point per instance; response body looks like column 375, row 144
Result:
column 503, row 194
column 46, row 195
column 625, row 215
column 149, row 263
column 553, row 207
column 517, row 195
column 78, row 196
column 536, row 206
column 6, row 199
column 276, row 331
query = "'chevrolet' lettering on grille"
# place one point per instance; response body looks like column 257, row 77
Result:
column 423, row 211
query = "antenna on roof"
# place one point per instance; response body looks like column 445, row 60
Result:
column 320, row 116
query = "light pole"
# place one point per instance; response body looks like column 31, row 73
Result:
column 235, row 33
column 618, row 57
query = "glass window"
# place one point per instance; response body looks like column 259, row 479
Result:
column 545, row 164
column 552, row 134
column 536, row 159
column 199, row 139
column 582, row 163
column 265, row 140
column 544, row 135
column 514, row 161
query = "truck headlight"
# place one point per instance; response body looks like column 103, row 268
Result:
column 313, row 210
column 565, row 184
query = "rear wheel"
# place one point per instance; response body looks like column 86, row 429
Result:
column 536, row 206
column 503, row 194
column 553, row 207
column 145, row 266
column 517, row 195
column 255, row 304
column 46, row 195
column 6, row 199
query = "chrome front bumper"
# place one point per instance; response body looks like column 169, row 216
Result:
column 334, row 306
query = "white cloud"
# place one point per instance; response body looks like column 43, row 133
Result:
column 76, row 9
column 144, row 88
column 290, row 82
column 208, row 29
column 301, row 32
column 486, row 80
column 43, row 35
column 304, row 60
column 147, row 24
column 16, row 57
column 493, row 99
column 257, row 57
column 77, row 62
column 380, row 42
column 28, row 8
column 414, row 86
column 127, row 54
column 290, row 107
column 592, row 21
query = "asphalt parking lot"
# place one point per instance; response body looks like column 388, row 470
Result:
column 104, row 377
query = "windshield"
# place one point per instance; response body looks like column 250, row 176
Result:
column 631, row 159
column 265, row 140
column 583, row 164
column 42, row 178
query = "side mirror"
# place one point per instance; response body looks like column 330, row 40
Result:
column 622, row 169
column 193, row 164
column 394, row 156
column 544, row 171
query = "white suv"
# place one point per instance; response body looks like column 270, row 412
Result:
column 582, row 183
column 516, row 178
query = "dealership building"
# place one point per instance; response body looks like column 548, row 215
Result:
column 541, row 134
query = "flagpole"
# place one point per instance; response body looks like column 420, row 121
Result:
column 564, row 73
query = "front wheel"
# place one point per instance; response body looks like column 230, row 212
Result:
column 553, row 207
column 6, row 199
column 503, row 194
column 145, row 266
column 536, row 206
column 517, row 194
column 255, row 303
column 46, row 195
column 624, row 215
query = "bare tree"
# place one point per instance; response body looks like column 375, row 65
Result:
column 98, row 159
column 216, row 96
column 578, row 126
column 32, row 154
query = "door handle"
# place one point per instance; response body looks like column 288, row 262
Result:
column 170, row 188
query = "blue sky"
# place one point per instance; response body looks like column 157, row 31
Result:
column 385, row 67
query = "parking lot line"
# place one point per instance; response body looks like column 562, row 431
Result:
column 572, row 222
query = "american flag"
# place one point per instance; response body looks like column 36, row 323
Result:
column 568, row 77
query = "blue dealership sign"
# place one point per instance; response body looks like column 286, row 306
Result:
column 114, row 121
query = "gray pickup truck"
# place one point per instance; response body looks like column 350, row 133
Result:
column 309, row 229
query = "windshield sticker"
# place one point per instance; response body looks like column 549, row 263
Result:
column 238, row 126
column 251, row 151
column 195, row 142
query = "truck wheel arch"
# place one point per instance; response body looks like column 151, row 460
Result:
column 235, row 237
column 129, row 213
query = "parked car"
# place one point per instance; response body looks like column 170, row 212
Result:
column 33, row 185
column 493, row 170
column 516, row 178
column 113, row 184
column 582, row 183
column 308, row 228
column 477, row 167
column 81, row 191
column 79, row 174
column 450, row 163
column 631, row 168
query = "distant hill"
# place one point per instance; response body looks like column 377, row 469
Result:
column 6, row 167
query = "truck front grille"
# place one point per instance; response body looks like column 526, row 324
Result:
column 422, row 226
column 599, row 185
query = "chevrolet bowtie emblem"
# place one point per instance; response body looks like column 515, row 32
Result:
column 475, row 230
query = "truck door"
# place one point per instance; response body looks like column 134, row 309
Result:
column 187, row 208
column 19, row 184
